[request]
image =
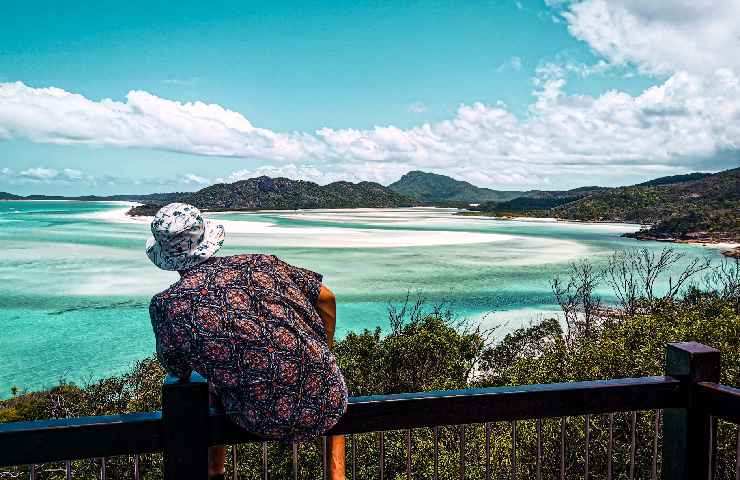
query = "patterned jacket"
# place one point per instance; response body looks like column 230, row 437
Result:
column 248, row 324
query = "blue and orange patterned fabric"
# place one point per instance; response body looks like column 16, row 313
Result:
column 248, row 324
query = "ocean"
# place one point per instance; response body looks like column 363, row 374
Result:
column 75, row 283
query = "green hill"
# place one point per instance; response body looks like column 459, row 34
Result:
column 673, row 179
column 707, row 208
column 537, row 201
column 265, row 193
column 150, row 197
column 441, row 189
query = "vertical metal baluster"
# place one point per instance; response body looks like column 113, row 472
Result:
column 588, row 444
column 539, row 449
column 234, row 469
column 712, row 433
column 103, row 471
column 488, row 451
column 737, row 455
column 654, row 467
column 562, row 448
column 462, row 452
column 295, row 461
column 610, row 448
column 633, row 445
column 382, row 455
column 32, row 472
column 353, row 439
column 513, row 450
column 436, row 453
column 68, row 470
column 265, row 469
column 324, row 458
column 137, row 473
column 408, row 454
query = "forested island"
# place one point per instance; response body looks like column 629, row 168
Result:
column 696, row 207
column 265, row 193
column 702, row 208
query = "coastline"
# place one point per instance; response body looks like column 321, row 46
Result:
column 319, row 237
column 729, row 248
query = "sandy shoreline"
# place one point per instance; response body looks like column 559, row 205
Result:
column 320, row 237
column 344, row 237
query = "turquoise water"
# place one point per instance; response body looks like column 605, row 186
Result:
column 75, row 283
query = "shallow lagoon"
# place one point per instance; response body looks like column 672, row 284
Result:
column 75, row 283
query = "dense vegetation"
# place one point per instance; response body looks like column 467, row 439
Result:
column 535, row 203
column 701, row 207
column 430, row 349
column 265, row 193
column 696, row 206
column 671, row 179
column 704, row 209
column 432, row 188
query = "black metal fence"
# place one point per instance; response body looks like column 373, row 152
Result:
column 687, row 401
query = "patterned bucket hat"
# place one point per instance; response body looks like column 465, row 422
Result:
column 182, row 238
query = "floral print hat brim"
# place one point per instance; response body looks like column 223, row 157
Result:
column 182, row 238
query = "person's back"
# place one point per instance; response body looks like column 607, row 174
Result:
column 249, row 325
column 257, row 328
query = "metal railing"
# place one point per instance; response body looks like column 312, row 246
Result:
column 687, row 400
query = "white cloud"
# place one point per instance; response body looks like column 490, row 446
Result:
column 53, row 115
column 661, row 37
column 42, row 174
column 690, row 121
column 417, row 107
column 186, row 82
column 195, row 179
column 39, row 173
column 70, row 176
column 305, row 172
column 514, row 63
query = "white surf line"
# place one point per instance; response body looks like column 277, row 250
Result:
column 269, row 234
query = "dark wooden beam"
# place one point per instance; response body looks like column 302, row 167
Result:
column 86, row 437
column 455, row 407
column 718, row 400
column 686, row 432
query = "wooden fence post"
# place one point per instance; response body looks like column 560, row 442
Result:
column 185, row 428
column 686, row 434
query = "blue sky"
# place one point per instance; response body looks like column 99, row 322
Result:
column 506, row 94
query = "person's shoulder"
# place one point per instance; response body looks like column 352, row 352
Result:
column 164, row 295
column 249, row 258
column 158, row 301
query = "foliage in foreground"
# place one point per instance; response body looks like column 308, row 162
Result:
column 432, row 350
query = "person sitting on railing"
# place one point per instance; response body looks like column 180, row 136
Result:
column 260, row 330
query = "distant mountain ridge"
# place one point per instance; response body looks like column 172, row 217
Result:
column 150, row 197
column 696, row 206
column 265, row 193
column 434, row 188
column 670, row 180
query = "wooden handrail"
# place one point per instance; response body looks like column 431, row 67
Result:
column 89, row 437
column 480, row 405
column 719, row 400
column 85, row 437
column 689, row 393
